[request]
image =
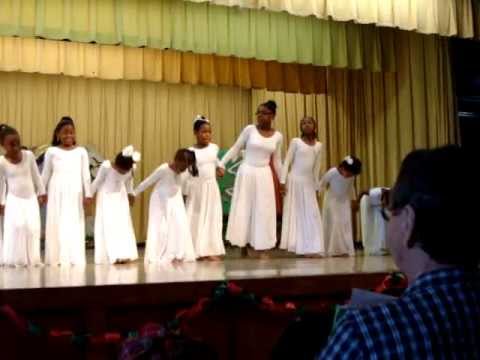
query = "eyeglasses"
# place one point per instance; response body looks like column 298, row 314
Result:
column 266, row 113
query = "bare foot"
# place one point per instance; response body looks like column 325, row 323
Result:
column 264, row 255
column 244, row 251
column 214, row 258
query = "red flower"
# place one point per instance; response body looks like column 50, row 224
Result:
column 290, row 306
column 234, row 289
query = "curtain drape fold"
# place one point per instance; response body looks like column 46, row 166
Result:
column 443, row 17
column 203, row 29
column 111, row 62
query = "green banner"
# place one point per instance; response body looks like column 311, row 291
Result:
column 226, row 183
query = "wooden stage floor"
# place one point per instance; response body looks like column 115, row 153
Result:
column 101, row 298
column 280, row 265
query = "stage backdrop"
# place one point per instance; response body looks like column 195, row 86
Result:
column 377, row 116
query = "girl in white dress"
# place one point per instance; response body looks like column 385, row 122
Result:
column 302, row 229
column 67, row 177
column 169, row 238
column 25, row 190
column 204, row 204
column 253, row 213
column 337, row 210
column 374, row 226
column 115, row 241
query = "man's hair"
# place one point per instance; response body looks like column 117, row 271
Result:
column 440, row 186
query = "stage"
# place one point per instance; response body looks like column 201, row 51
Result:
column 99, row 298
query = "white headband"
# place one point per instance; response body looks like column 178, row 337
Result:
column 200, row 118
column 130, row 152
column 348, row 159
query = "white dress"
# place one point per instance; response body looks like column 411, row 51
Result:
column 67, row 177
column 302, row 229
column 374, row 226
column 337, row 213
column 253, row 215
column 204, row 204
column 114, row 234
column 168, row 235
column 3, row 194
column 22, row 229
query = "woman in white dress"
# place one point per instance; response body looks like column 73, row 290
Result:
column 374, row 226
column 67, row 177
column 337, row 207
column 302, row 229
column 204, row 204
column 115, row 241
column 253, row 213
column 25, row 190
column 169, row 238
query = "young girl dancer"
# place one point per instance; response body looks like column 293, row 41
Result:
column 337, row 210
column 66, row 173
column 169, row 238
column 204, row 205
column 253, row 215
column 25, row 190
column 115, row 241
column 302, row 230
column 374, row 226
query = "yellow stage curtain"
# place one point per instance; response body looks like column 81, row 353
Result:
column 379, row 117
column 155, row 117
column 443, row 17
column 202, row 29
column 111, row 62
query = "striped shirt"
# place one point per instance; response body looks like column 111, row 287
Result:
column 438, row 317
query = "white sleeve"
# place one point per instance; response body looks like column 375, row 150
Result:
column 47, row 168
column 149, row 181
column 37, row 179
column 288, row 161
column 239, row 145
column 129, row 184
column 217, row 162
column 277, row 157
column 86, row 179
column 100, row 178
column 318, row 164
column 3, row 186
column 325, row 180
column 185, row 179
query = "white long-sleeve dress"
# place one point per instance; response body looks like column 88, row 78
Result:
column 168, row 234
column 114, row 235
column 302, row 228
column 21, row 237
column 67, row 177
column 253, row 217
column 204, row 204
column 337, row 213
column 374, row 226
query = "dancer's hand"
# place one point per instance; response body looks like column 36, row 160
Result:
column 131, row 199
column 220, row 172
column 87, row 202
column 42, row 200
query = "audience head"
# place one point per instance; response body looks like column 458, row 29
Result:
column 431, row 219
